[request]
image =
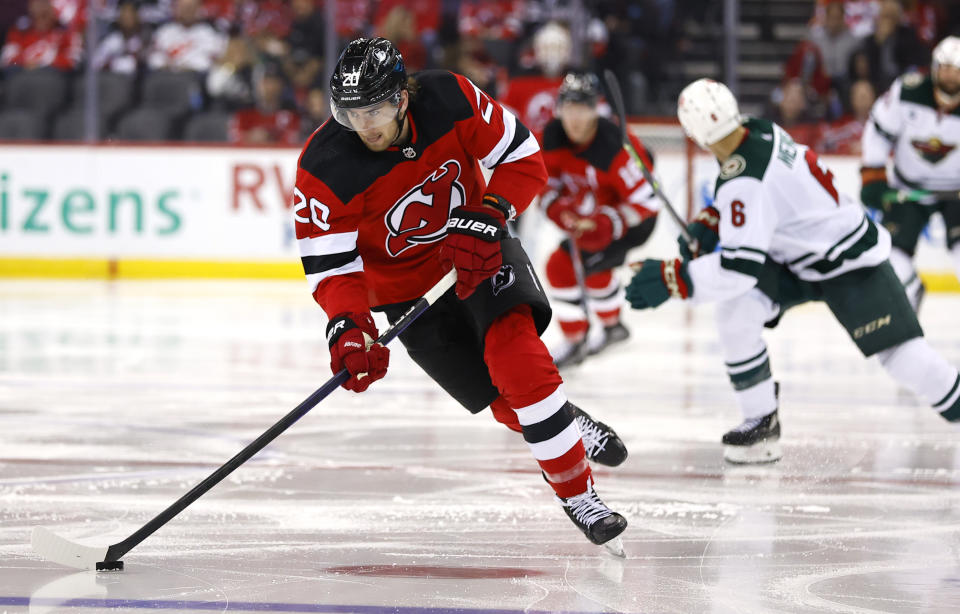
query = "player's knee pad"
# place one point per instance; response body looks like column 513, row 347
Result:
column 519, row 363
column 601, row 281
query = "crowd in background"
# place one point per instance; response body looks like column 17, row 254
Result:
column 253, row 71
column 258, row 67
column 853, row 52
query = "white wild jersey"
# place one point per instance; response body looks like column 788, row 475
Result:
column 777, row 201
column 905, row 120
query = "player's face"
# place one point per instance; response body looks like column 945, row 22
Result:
column 948, row 79
column 376, row 124
column 579, row 121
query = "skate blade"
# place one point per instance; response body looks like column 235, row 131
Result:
column 762, row 452
column 615, row 547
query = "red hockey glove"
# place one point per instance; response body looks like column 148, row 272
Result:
column 351, row 339
column 704, row 229
column 562, row 211
column 472, row 245
column 595, row 232
column 658, row 280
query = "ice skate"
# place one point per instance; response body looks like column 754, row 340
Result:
column 602, row 444
column 612, row 335
column 599, row 523
column 570, row 353
column 754, row 441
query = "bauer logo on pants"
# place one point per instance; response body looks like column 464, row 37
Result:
column 503, row 279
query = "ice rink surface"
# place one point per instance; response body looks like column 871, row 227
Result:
column 115, row 398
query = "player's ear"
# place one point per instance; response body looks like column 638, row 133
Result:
column 404, row 103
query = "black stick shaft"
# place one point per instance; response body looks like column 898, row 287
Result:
column 617, row 99
column 116, row 551
column 581, row 275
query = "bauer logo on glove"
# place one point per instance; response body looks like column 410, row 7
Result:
column 472, row 245
column 351, row 337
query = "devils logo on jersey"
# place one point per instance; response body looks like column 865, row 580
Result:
column 421, row 215
column 932, row 150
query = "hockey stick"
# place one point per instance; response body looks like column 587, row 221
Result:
column 924, row 197
column 617, row 99
column 60, row 550
column 581, row 276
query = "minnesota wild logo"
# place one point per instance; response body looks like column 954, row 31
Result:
column 932, row 150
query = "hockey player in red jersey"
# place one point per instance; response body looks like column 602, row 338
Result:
column 597, row 195
column 389, row 195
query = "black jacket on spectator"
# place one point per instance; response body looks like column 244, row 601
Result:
column 887, row 61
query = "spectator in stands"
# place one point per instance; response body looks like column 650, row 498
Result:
column 399, row 25
column 924, row 17
column 72, row 14
column 532, row 96
column 836, row 44
column 792, row 113
column 155, row 12
column 39, row 41
column 187, row 42
column 272, row 119
column 491, row 20
column 123, row 50
column 643, row 40
column 891, row 50
column 353, row 19
column 807, row 66
column 471, row 59
column 315, row 111
column 843, row 135
column 307, row 29
column 268, row 25
column 859, row 15
column 230, row 81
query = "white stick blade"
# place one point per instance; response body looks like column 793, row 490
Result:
column 62, row 551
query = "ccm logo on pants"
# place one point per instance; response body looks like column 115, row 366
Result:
column 870, row 327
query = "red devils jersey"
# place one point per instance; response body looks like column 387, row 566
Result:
column 30, row 48
column 369, row 224
column 600, row 175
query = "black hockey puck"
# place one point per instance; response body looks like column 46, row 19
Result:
column 110, row 566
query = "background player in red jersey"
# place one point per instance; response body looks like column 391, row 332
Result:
column 389, row 195
column 596, row 194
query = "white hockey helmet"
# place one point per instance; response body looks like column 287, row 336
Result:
column 947, row 52
column 707, row 111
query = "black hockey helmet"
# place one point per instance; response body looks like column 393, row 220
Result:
column 582, row 87
column 369, row 71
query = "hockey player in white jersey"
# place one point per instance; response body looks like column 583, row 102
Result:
column 918, row 121
column 786, row 236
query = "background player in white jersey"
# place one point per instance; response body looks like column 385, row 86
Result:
column 918, row 120
column 787, row 236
